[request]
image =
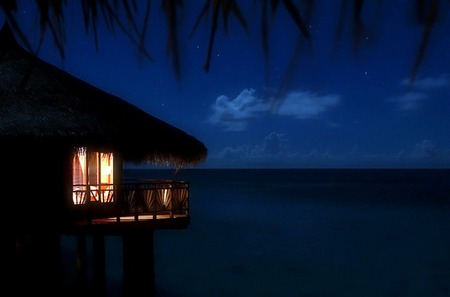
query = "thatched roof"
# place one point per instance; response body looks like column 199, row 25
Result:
column 39, row 102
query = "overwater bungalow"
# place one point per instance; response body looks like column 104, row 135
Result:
column 63, row 146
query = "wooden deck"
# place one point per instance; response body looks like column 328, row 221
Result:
column 133, row 206
column 112, row 226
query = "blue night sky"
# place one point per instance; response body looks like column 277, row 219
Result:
column 339, row 109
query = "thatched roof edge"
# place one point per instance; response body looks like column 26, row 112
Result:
column 39, row 102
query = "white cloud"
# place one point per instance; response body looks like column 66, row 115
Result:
column 303, row 105
column 234, row 114
column 421, row 87
column 428, row 83
column 410, row 100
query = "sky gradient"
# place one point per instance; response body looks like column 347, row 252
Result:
column 338, row 108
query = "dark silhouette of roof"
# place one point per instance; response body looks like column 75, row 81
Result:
column 40, row 102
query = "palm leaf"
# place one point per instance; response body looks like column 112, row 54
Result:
column 171, row 9
column 340, row 25
column 215, row 7
column 295, row 14
column 51, row 16
column 115, row 13
column 15, row 26
column 429, row 21
column 358, row 26
column 232, row 7
column 203, row 14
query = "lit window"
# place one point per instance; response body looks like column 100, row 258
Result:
column 92, row 176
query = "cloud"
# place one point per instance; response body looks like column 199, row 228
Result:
column 413, row 99
column 428, row 83
column 274, row 146
column 304, row 105
column 409, row 101
column 275, row 151
column 234, row 114
column 425, row 149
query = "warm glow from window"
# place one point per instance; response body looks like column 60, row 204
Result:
column 79, row 167
column 106, row 162
column 92, row 176
column 166, row 197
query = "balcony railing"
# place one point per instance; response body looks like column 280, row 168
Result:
column 133, row 200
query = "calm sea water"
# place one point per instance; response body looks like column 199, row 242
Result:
column 309, row 233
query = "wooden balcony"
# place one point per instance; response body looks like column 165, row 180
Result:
column 133, row 205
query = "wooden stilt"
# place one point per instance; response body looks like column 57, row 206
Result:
column 138, row 264
column 81, row 265
column 18, row 265
column 99, row 269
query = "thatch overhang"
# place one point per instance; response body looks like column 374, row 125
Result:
column 41, row 103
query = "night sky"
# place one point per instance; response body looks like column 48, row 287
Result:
column 340, row 107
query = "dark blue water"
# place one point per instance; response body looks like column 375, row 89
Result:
column 304, row 233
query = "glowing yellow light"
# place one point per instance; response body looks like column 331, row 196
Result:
column 106, row 170
column 166, row 197
column 92, row 176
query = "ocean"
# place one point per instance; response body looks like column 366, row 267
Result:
column 303, row 233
